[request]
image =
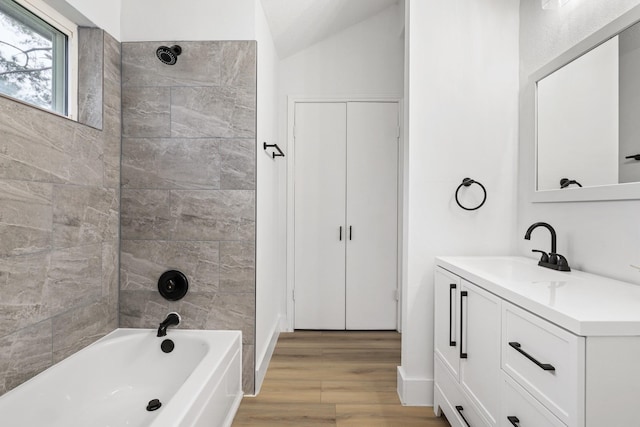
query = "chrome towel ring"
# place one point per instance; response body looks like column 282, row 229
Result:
column 466, row 183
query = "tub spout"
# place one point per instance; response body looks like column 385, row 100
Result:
column 172, row 319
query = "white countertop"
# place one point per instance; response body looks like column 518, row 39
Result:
column 582, row 303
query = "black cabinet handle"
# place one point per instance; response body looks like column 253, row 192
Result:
column 545, row 366
column 634, row 157
column 340, row 233
column 514, row 421
column 350, row 233
column 452, row 288
column 460, row 409
column 463, row 294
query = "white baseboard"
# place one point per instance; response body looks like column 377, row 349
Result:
column 262, row 364
column 284, row 325
column 414, row 391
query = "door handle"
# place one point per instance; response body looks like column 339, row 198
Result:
column 341, row 233
column 350, row 232
column 452, row 288
column 463, row 294
column 460, row 409
column 544, row 366
column 514, row 421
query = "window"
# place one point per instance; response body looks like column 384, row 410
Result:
column 35, row 47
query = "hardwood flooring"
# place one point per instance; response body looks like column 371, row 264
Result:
column 336, row 379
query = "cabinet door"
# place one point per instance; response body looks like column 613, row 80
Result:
column 459, row 410
column 480, row 349
column 320, row 203
column 446, row 345
column 372, row 215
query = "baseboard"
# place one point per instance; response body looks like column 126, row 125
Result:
column 284, row 325
column 262, row 364
column 414, row 391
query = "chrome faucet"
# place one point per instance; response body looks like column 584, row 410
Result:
column 552, row 260
column 172, row 319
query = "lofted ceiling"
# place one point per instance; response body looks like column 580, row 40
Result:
column 296, row 24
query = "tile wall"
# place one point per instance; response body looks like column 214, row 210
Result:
column 59, row 219
column 189, row 186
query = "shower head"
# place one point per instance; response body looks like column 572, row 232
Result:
column 168, row 55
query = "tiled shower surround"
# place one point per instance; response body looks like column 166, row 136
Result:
column 59, row 211
column 189, row 186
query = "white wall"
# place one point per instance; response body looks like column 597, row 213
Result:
column 599, row 237
column 149, row 20
column 90, row 13
column 365, row 59
column 462, row 122
column 271, row 204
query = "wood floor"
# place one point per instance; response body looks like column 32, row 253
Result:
column 333, row 379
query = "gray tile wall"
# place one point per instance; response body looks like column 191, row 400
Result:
column 59, row 220
column 189, row 186
column 90, row 46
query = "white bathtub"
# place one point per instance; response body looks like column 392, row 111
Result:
column 109, row 383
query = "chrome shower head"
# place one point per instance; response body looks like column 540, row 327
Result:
column 168, row 55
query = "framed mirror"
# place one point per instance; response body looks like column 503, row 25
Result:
column 588, row 118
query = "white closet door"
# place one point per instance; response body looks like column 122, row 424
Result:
column 372, row 209
column 320, row 169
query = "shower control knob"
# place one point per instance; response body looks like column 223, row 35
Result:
column 173, row 285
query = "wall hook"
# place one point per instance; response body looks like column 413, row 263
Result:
column 274, row 154
column 466, row 183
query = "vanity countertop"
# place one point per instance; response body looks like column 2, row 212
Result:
column 583, row 303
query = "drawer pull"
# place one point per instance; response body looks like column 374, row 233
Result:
column 514, row 421
column 452, row 288
column 545, row 366
column 463, row 294
column 460, row 409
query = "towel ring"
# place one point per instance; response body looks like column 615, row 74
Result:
column 466, row 183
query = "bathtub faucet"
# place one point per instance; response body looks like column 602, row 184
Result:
column 173, row 319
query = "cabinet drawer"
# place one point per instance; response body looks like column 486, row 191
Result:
column 545, row 360
column 449, row 396
column 520, row 409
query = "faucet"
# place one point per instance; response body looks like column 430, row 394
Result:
column 172, row 319
column 553, row 260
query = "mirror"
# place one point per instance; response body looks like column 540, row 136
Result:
column 587, row 127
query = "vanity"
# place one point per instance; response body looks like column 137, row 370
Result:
column 520, row 345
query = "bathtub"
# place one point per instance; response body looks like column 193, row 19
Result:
column 111, row 382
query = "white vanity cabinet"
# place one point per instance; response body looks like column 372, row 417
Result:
column 543, row 348
column 467, row 344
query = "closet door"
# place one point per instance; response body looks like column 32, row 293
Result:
column 372, row 209
column 320, row 169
